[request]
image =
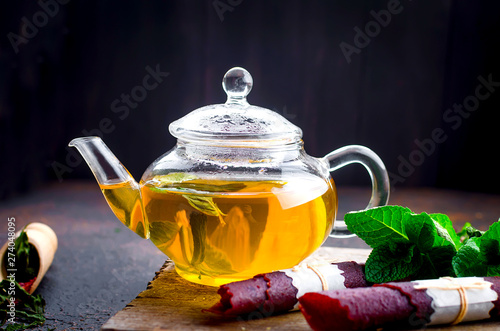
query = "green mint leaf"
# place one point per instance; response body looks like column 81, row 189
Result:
column 489, row 243
column 15, row 326
column 22, row 245
column 173, row 178
column 425, row 229
column 421, row 231
column 163, row 233
column 462, row 233
column 480, row 255
column 199, row 187
column 443, row 237
column 490, row 249
column 392, row 262
column 468, row 232
column 29, row 308
column 473, row 232
column 378, row 226
column 187, row 183
column 27, row 261
column 493, row 271
column 435, row 243
column 198, row 222
column 469, row 261
column 437, row 263
column 205, row 205
column 405, row 244
column 216, row 262
column 445, row 222
column 493, row 232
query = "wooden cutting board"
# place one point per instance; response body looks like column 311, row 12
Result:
column 172, row 303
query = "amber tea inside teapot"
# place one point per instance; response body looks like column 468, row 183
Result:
column 237, row 195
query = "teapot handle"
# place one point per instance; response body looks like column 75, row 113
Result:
column 378, row 174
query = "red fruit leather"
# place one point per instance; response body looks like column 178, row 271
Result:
column 354, row 274
column 240, row 297
column 273, row 293
column 268, row 293
column 355, row 309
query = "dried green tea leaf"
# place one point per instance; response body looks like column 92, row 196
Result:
column 173, row 178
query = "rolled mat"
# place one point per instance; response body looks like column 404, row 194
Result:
column 278, row 291
column 407, row 304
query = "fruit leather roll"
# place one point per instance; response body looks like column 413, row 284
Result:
column 406, row 304
column 279, row 291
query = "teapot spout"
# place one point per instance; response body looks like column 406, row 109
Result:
column 121, row 191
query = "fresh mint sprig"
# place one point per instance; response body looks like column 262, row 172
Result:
column 480, row 255
column 423, row 246
column 405, row 244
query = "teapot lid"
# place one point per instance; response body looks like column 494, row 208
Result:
column 235, row 122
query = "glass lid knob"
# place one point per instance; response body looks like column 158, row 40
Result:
column 237, row 83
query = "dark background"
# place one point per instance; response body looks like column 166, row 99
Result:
column 61, row 81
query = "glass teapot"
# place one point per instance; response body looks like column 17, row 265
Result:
column 237, row 195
